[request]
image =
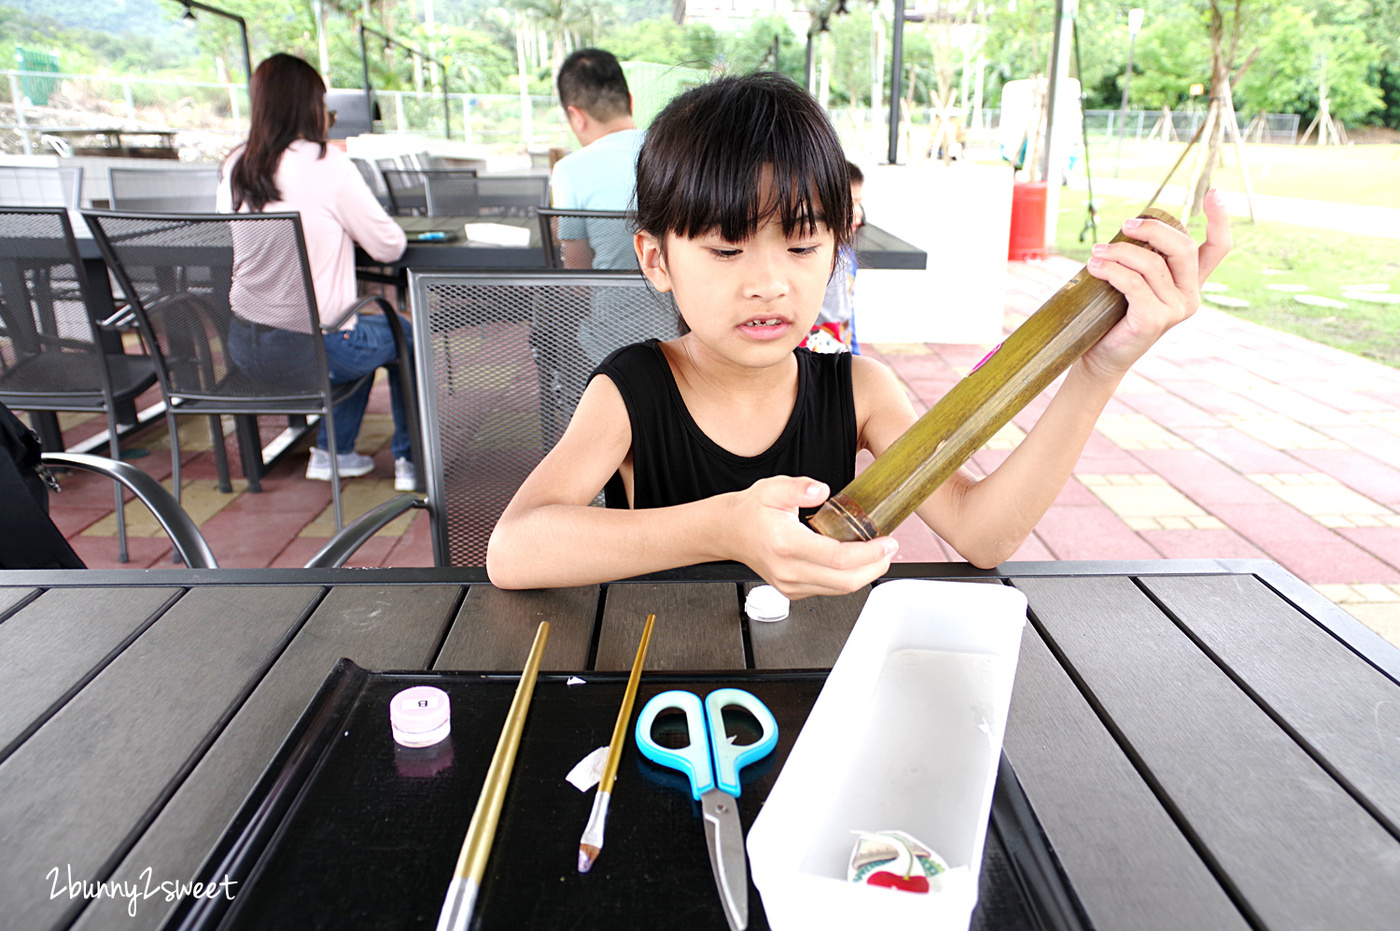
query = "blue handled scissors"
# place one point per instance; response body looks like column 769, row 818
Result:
column 712, row 763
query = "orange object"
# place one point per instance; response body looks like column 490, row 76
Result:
column 1027, row 222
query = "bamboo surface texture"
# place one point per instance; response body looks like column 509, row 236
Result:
column 1041, row 348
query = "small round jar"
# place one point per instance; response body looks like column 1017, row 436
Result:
column 420, row 716
column 765, row 603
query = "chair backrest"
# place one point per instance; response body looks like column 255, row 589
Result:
column 188, row 275
column 452, row 194
column 49, row 346
column 588, row 239
column 407, row 194
column 38, row 186
column 370, row 174
column 155, row 190
column 502, row 360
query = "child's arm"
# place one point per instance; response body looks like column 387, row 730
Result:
column 549, row 536
column 987, row 520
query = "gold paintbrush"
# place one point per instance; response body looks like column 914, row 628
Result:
column 457, row 907
column 591, row 843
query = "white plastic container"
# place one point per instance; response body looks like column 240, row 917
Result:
column 905, row 735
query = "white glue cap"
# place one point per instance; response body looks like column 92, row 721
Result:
column 766, row 603
column 420, row 716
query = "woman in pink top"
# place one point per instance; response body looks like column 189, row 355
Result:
column 286, row 166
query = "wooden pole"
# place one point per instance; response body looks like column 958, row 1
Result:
column 1234, row 131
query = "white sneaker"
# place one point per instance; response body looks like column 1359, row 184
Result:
column 405, row 477
column 318, row 467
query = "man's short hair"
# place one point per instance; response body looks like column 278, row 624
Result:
column 592, row 80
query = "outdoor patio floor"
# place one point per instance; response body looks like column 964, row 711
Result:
column 1228, row 441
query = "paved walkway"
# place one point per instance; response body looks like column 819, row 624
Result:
column 1229, row 440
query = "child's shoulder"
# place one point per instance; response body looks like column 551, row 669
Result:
column 873, row 378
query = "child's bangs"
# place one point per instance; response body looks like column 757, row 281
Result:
column 725, row 157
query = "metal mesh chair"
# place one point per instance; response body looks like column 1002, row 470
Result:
column 34, row 186
column 588, row 239
column 492, row 196
column 408, row 192
column 52, row 355
column 155, row 190
column 189, row 324
column 502, row 360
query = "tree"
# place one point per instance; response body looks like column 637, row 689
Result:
column 1296, row 54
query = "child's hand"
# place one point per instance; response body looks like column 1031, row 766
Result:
column 1162, row 290
column 768, row 537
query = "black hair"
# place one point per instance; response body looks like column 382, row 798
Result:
column 702, row 165
column 854, row 173
column 288, row 103
column 592, row 80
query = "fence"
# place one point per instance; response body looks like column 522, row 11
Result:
column 1275, row 128
column 211, row 116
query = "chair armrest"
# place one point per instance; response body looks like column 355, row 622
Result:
column 119, row 320
column 355, row 308
column 354, row 535
column 184, row 534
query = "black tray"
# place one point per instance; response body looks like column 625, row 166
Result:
column 348, row 830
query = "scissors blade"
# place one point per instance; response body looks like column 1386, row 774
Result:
column 725, row 838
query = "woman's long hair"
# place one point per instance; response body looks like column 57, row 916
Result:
column 289, row 103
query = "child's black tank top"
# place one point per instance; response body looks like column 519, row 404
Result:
column 674, row 462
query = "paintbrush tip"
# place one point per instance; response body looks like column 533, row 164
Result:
column 587, row 853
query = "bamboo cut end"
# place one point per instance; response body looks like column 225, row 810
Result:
column 841, row 518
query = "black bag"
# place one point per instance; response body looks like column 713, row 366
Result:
column 28, row 537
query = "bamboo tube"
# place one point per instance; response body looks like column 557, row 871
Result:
column 940, row 441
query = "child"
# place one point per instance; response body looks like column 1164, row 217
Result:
column 835, row 329
column 712, row 445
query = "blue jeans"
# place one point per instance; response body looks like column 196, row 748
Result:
column 265, row 353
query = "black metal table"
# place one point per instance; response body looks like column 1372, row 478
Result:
column 875, row 247
column 1205, row 744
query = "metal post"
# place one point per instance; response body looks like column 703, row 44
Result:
column 1134, row 24
column 1057, row 142
column 364, row 71
column 895, row 88
column 807, row 72
column 18, row 98
column 446, row 106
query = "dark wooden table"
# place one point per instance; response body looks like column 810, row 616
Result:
column 1206, row 744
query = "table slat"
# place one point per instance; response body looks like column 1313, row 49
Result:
column 494, row 629
column 1296, row 848
column 1346, row 709
column 697, row 626
column 812, row 635
column 1127, row 861
column 76, row 791
column 34, row 677
column 379, row 627
column 9, row 597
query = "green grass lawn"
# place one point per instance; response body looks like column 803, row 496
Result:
column 1363, row 174
column 1323, row 260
